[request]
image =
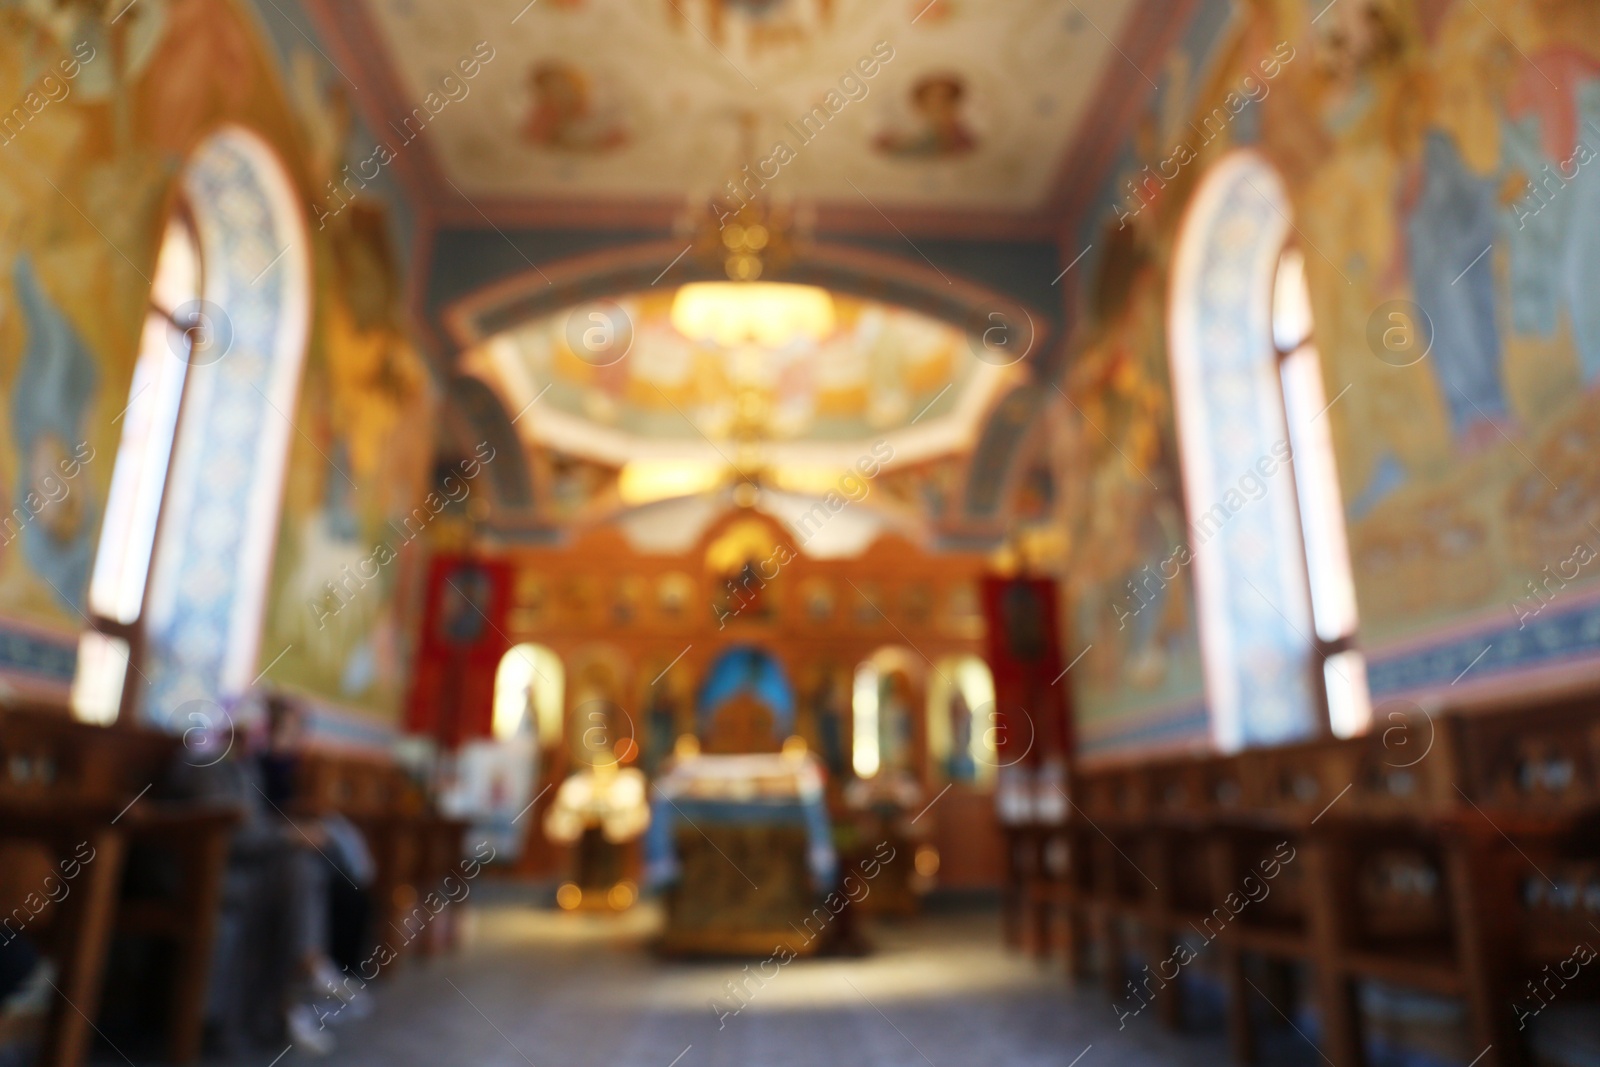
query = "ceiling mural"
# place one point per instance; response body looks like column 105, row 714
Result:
column 870, row 373
column 948, row 103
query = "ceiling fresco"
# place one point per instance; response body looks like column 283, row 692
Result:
column 883, row 376
column 929, row 103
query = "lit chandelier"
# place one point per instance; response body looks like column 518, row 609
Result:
column 750, row 242
column 742, row 232
column 745, row 236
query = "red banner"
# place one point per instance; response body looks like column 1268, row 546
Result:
column 463, row 639
column 1032, row 700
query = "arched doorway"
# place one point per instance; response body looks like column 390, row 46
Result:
column 494, row 780
column 529, row 686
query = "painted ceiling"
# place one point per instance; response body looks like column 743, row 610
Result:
column 884, row 375
column 921, row 103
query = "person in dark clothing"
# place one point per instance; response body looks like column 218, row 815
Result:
column 24, row 1003
column 271, row 966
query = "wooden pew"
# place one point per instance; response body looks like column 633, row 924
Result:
column 1452, row 860
column 78, row 837
column 79, row 790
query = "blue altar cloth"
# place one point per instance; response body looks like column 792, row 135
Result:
column 679, row 798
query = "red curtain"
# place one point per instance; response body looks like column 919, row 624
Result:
column 463, row 639
column 1031, row 698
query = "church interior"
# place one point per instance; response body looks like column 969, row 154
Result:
column 686, row 533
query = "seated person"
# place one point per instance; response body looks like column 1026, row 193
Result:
column 336, row 933
column 272, row 972
column 27, row 976
column 25, row 996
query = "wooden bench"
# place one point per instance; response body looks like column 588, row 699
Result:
column 75, row 791
column 1459, row 872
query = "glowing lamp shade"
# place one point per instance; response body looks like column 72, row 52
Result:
column 644, row 481
column 770, row 314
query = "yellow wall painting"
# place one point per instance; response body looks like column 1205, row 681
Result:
column 103, row 107
column 1441, row 156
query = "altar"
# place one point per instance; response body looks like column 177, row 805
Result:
column 741, row 849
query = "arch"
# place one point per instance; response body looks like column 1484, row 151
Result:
column 597, row 720
column 503, row 304
column 1256, row 472
column 1005, row 432
column 885, row 733
column 243, row 340
column 483, row 417
column 529, row 688
column 746, row 670
column 961, row 738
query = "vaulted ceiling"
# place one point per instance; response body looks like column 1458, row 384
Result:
column 880, row 374
column 603, row 106
column 554, row 149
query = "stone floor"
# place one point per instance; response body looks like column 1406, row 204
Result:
column 537, row 987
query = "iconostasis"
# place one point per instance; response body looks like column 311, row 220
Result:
column 875, row 660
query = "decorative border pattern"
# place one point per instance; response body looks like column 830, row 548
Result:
column 1545, row 646
column 1139, row 734
column 49, row 659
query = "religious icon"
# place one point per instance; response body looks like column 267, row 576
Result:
column 894, row 721
column 465, row 599
column 565, row 115
column 938, row 128
column 758, row 24
column 960, row 766
column 818, row 598
column 828, row 710
column 1023, row 612
column 660, row 729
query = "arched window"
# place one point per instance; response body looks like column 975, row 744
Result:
column 528, row 691
column 1266, row 523
column 172, row 333
column 961, row 722
column 1316, row 481
column 181, row 569
column 884, row 734
column 865, row 756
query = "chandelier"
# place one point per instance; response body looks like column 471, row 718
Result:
column 755, row 238
column 740, row 231
column 744, row 236
column 767, row 314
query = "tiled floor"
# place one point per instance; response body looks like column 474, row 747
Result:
column 535, row 987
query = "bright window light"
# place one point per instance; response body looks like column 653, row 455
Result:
column 102, row 672
column 1333, row 593
column 528, row 689
column 864, row 754
column 1349, row 704
column 139, row 476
